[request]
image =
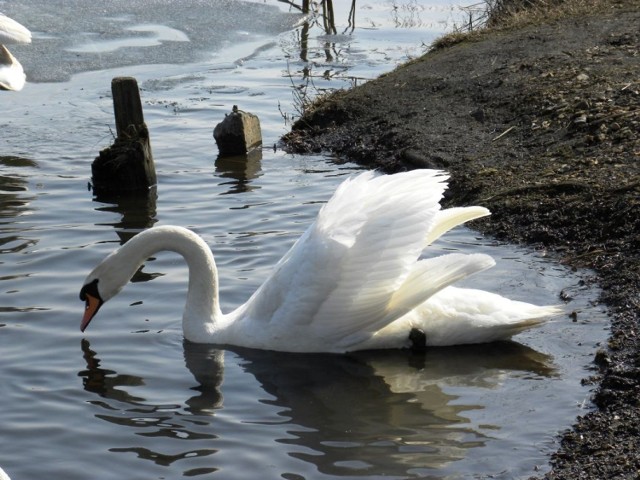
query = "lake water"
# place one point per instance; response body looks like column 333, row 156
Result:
column 128, row 399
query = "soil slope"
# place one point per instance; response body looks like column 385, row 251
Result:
column 541, row 124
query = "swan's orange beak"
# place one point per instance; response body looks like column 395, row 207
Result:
column 90, row 295
column 92, row 305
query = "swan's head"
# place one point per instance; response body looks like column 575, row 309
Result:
column 90, row 294
column 103, row 283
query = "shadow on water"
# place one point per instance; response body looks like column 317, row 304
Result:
column 383, row 411
column 241, row 170
column 14, row 203
column 138, row 212
column 13, row 185
column 104, row 382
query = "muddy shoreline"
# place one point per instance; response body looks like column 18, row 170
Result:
column 541, row 124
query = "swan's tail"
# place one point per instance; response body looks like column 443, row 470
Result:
column 456, row 316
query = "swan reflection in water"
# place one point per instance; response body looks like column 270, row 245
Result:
column 383, row 412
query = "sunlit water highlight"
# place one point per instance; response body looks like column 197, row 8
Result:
column 129, row 399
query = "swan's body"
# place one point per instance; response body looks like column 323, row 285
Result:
column 353, row 281
column 12, row 75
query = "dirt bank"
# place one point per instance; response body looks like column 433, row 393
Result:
column 541, row 124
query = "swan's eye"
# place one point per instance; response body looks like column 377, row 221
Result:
column 91, row 289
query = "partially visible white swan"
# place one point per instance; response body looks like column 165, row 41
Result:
column 12, row 75
column 3, row 475
column 353, row 281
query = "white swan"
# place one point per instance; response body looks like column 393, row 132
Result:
column 12, row 75
column 353, row 281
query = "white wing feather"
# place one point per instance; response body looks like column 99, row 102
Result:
column 452, row 217
column 12, row 75
column 12, row 31
column 341, row 275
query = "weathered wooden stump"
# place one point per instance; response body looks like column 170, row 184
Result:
column 127, row 166
column 238, row 133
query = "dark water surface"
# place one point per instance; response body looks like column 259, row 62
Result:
column 129, row 399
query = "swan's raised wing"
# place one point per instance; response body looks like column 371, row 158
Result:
column 12, row 75
column 12, row 31
column 338, row 281
column 452, row 217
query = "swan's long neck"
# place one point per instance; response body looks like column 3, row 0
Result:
column 202, row 315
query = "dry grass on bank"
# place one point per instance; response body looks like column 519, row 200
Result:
column 491, row 15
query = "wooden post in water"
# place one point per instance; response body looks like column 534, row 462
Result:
column 127, row 166
column 238, row 133
column 127, row 106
